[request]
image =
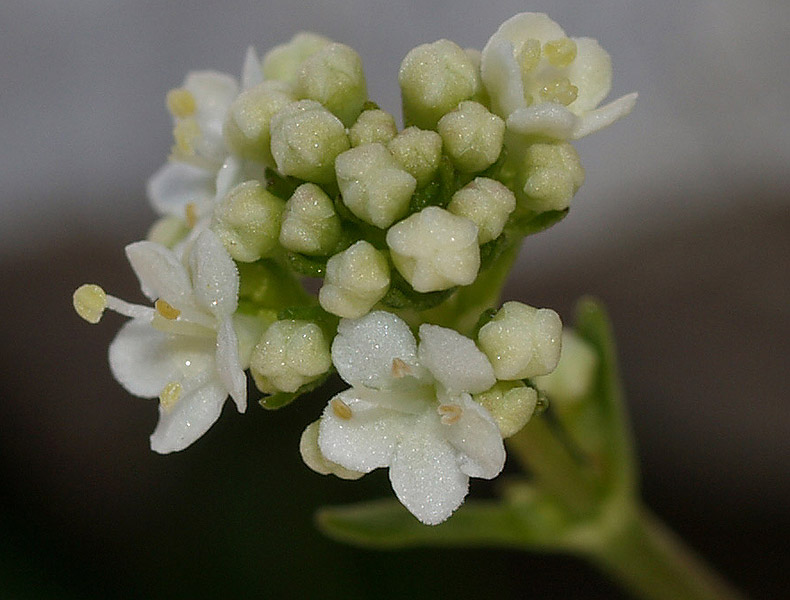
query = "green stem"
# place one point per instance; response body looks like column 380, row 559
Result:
column 647, row 558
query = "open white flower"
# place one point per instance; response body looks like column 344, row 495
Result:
column 544, row 83
column 410, row 409
column 184, row 349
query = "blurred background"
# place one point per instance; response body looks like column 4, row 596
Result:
column 682, row 228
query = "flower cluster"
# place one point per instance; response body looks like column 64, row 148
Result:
column 293, row 174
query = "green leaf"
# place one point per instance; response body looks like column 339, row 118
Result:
column 387, row 524
column 311, row 266
column 524, row 223
column 402, row 296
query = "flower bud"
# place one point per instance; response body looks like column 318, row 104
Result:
column 373, row 185
column 373, row 126
column 418, row 151
column 355, row 280
column 334, row 77
column 246, row 129
column 552, row 174
column 312, row 457
column 247, row 220
column 511, row 403
column 433, row 79
column 522, row 341
column 289, row 355
column 306, row 139
column 435, row 250
column 574, row 376
column 472, row 136
column 310, row 224
column 485, row 202
column 283, row 62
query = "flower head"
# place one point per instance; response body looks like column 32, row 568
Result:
column 544, row 83
column 410, row 409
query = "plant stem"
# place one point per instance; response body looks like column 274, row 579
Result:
column 647, row 558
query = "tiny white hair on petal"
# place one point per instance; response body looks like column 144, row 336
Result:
column 214, row 274
column 228, row 364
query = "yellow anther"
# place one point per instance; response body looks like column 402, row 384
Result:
column 450, row 413
column 89, row 302
column 560, row 53
column 560, row 90
column 191, row 214
column 170, row 395
column 400, row 369
column 529, row 55
column 185, row 133
column 166, row 310
column 341, row 409
column 181, row 103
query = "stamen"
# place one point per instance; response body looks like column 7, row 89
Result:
column 341, row 409
column 560, row 90
column 560, row 53
column 181, row 103
column 400, row 369
column 170, row 395
column 185, row 133
column 529, row 55
column 89, row 302
column 166, row 310
column 450, row 413
column 191, row 214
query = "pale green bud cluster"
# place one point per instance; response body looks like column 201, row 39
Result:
column 485, row 202
column 418, row 151
column 373, row 127
column 574, row 376
column 356, row 279
column 310, row 224
column 247, row 221
column 511, row 403
column 551, row 174
column 472, row 136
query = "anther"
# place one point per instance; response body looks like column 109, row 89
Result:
column 170, row 395
column 166, row 310
column 185, row 133
column 560, row 90
column 400, row 369
column 529, row 55
column 560, row 53
column 450, row 413
column 181, row 103
column 191, row 214
column 341, row 409
column 89, row 302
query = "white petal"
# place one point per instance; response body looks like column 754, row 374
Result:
column 501, row 76
column 193, row 414
column 214, row 274
column 140, row 361
column 228, row 176
column 424, row 473
column 529, row 25
column 251, row 74
column 177, row 184
column 603, row 117
column 454, row 360
column 229, row 365
column 364, row 349
column 213, row 92
column 160, row 272
column 476, row 436
column 547, row 118
column 366, row 440
column 591, row 73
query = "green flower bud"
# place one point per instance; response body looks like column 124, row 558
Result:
column 435, row 250
column 552, row 174
column 312, row 457
column 418, row 151
column 355, row 280
column 306, row 139
column 247, row 220
column 246, row 128
column 373, row 185
column 574, row 376
column 283, row 62
column 522, row 341
column 334, row 77
column 310, row 224
column 485, row 202
column 373, row 126
column 433, row 79
column 472, row 136
column 168, row 231
column 289, row 355
column 511, row 403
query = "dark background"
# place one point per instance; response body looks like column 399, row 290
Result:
column 87, row 510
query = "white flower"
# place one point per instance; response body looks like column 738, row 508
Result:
column 544, row 83
column 410, row 409
column 185, row 349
